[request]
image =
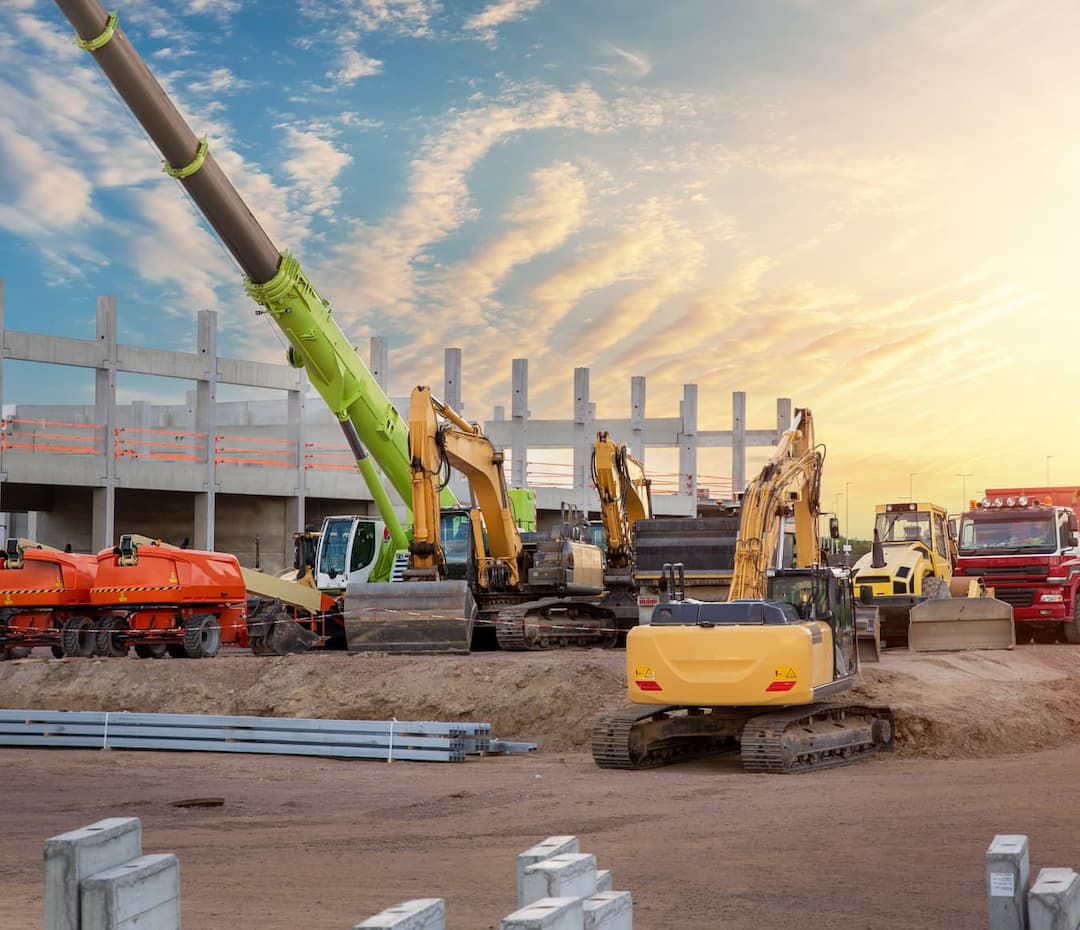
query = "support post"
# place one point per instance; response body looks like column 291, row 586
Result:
column 552, row 846
column 1008, row 869
column 637, row 417
column 452, row 379
column 379, row 357
column 103, row 517
column 738, row 443
column 206, row 424
column 296, row 506
column 143, row 894
column 582, row 417
column 519, row 414
column 688, row 444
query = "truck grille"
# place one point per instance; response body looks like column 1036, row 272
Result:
column 1016, row 597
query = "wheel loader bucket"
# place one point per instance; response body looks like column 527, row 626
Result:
column 868, row 634
column 409, row 617
column 960, row 623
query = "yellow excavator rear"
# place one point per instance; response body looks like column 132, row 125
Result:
column 762, row 669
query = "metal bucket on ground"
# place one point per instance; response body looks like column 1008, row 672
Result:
column 409, row 617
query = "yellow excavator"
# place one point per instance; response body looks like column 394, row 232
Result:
column 754, row 670
column 625, row 493
column 470, row 569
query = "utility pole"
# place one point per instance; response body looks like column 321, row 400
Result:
column 847, row 517
column 963, row 476
column 1048, row 470
column 911, row 485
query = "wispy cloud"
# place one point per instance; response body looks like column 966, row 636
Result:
column 354, row 65
column 485, row 24
column 623, row 62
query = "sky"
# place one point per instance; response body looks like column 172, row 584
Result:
column 867, row 206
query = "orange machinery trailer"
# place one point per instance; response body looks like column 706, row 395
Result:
column 40, row 590
column 142, row 594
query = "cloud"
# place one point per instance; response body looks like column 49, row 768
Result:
column 354, row 65
column 314, row 164
column 218, row 81
column 487, row 22
column 398, row 17
column 625, row 64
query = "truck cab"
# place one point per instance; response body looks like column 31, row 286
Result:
column 1026, row 549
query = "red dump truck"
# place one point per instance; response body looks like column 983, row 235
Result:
column 1025, row 544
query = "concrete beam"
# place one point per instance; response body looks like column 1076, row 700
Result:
column 78, row 854
column 547, row 914
column 419, row 914
column 1054, row 900
column 569, row 875
column 1008, row 869
column 552, row 846
column 143, row 894
column 609, row 910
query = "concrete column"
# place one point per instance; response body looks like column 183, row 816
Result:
column 688, row 443
column 519, row 413
column 3, row 474
column 71, row 857
column 1054, row 900
column 452, row 379
column 738, row 443
column 570, row 875
column 582, row 408
column 379, row 361
column 420, row 914
column 206, row 423
column 142, row 420
column 637, row 418
column 1008, row 869
column 103, row 527
column 552, row 846
column 143, row 893
column 783, row 416
column 296, row 507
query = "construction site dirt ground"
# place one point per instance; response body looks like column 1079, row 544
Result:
column 988, row 743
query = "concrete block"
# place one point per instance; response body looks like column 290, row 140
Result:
column 1008, row 870
column 1054, row 900
column 603, row 880
column 419, row 914
column 571, row 875
column 547, row 914
column 552, row 846
column 143, row 894
column 609, row 910
column 78, row 854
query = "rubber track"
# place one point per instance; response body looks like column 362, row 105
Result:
column 763, row 739
column 611, row 737
column 511, row 636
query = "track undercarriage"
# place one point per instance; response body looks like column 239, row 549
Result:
column 552, row 623
column 786, row 741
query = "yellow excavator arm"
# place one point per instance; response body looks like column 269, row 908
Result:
column 788, row 487
column 461, row 445
column 625, row 497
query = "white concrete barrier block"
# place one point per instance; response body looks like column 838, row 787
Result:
column 143, row 894
column 1054, row 900
column 73, row 856
column 570, row 875
column 418, row 914
column 547, row 914
column 1008, row 870
column 552, row 846
column 609, row 910
column 603, row 880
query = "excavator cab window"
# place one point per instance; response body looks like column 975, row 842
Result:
column 363, row 546
column 454, row 533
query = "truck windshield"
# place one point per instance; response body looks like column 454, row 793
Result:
column 905, row 527
column 1006, row 533
column 335, row 546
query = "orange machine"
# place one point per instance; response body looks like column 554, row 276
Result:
column 41, row 589
column 161, row 599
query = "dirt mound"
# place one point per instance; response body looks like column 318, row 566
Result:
column 947, row 705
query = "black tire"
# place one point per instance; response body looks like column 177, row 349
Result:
column 151, row 650
column 202, row 636
column 57, row 651
column 108, row 642
column 15, row 652
column 176, row 650
column 78, row 638
column 1071, row 628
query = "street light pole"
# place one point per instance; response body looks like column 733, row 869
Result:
column 963, row 476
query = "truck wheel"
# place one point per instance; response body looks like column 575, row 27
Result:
column 57, row 651
column 1071, row 628
column 151, row 650
column 15, row 652
column 202, row 636
column 176, row 650
column 78, row 637
column 108, row 642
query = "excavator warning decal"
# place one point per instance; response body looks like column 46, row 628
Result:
column 784, row 678
column 645, row 678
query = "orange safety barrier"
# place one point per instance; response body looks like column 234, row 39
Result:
column 254, row 451
column 131, row 442
column 36, row 435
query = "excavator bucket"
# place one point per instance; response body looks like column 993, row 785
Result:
column 868, row 634
column 409, row 617
column 960, row 623
column 273, row 631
